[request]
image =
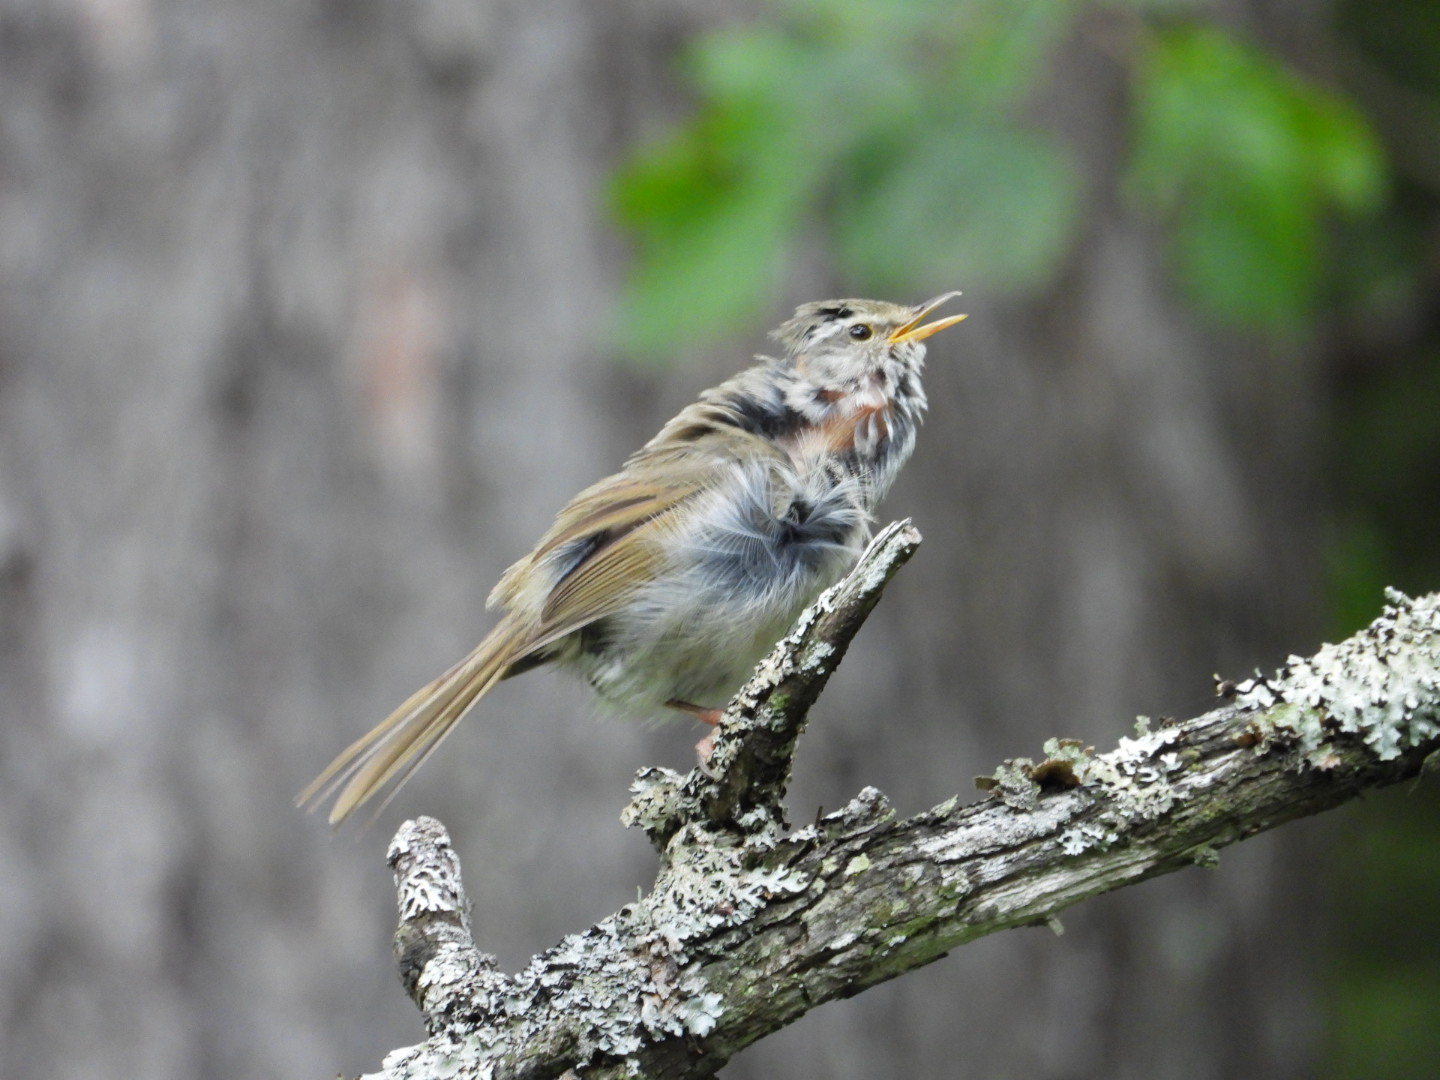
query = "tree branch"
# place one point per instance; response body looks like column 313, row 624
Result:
column 748, row 927
column 743, row 784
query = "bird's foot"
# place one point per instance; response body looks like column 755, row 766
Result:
column 705, row 746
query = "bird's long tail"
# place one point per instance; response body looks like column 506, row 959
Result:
column 404, row 740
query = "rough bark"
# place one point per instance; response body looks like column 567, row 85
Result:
column 748, row 927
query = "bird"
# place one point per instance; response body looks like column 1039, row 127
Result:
column 664, row 584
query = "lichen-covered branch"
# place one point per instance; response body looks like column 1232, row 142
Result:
column 743, row 784
column 433, row 938
column 747, row 928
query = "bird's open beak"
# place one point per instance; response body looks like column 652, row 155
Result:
column 913, row 331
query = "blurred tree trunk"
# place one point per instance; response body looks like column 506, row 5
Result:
column 302, row 340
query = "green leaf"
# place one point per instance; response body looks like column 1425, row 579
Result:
column 1347, row 161
column 887, row 122
column 894, row 126
column 712, row 272
column 1248, row 254
column 1248, row 161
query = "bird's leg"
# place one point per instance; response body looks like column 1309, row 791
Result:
column 705, row 716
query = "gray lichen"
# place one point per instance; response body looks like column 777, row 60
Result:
column 655, row 971
column 632, row 979
column 654, row 801
column 1380, row 684
column 1138, row 777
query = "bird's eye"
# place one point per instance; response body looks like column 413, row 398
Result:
column 861, row 332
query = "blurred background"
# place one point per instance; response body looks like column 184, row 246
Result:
column 313, row 312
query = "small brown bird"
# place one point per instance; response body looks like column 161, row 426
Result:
column 664, row 584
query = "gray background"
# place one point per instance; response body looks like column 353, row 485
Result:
column 304, row 315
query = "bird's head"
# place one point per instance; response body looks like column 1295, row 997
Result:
column 851, row 356
column 842, row 340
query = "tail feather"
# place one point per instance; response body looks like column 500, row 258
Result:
column 404, row 740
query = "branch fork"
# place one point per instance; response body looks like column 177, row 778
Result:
column 742, row 787
column 749, row 926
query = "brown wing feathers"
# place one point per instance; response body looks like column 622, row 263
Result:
column 596, row 587
column 625, row 513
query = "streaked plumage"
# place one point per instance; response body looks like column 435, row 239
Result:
column 664, row 584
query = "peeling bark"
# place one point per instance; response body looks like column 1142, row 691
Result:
column 749, row 926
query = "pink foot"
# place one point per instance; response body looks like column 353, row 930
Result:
column 703, row 749
column 705, row 746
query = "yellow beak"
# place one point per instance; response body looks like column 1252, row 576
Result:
column 913, row 331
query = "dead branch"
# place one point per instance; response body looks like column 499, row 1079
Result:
column 749, row 925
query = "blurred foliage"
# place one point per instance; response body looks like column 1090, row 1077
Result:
column 1246, row 160
column 1386, row 960
column 1401, row 37
column 1389, row 477
column 888, row 122
column 1385, row 468
column 1387, row 979
column 898, row 131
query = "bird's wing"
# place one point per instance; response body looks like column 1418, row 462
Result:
column 540, row 611
column 608, row 540
column 619, row 526
column 603, row 546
